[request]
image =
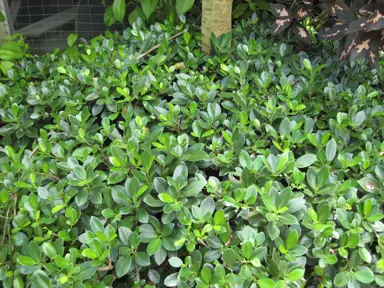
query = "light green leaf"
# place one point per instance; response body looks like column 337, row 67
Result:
column 364, row 275
column 26, row 261
column 305, row 160
column 109, row 17
column 72, row 39
column 266, row 283
column 296, row 275
column 49, row 250
column 291, row 240
column 154, row 246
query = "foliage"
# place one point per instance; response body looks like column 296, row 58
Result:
column 286, row 18
column 144, row 9
column 12, row 49
column 254, row 167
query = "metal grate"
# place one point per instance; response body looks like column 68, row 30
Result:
column 46, row 24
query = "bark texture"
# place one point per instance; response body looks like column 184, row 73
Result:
column 217, row 19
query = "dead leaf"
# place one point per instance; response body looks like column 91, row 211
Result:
column 363, row 46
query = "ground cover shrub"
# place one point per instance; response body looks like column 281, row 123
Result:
column 253, row 167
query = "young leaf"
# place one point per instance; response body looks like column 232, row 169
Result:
column 72, row 39
column 291, row 240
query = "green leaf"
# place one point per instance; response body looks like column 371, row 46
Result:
column 49, row 250
column 379, row 280
column 206, row 274
column 26, row 261
column 40, row 280
column 11, row 51
column 5, row 65
column 267, row 200
column 142, row 259
column 283, row 198
column 86, row 271
column 229, row 257
column 123, row 264
column 247, row 249
column 341, row 279
column 194, row 187
column 72, row 39
column 291, row 240
column 166, row 198
column 305, row 160
column 296, row 275
column 89, row 253
column 9, row 128
column 154, row 246
column 80, row 172
column 43, row 193
column 266, row 283
column 34, row 251
column 364, row 275
column 119, row 8
column 369, row 184
column 62, row 262
column 365, row 255
column 183, row 6
column 330, row 150
column 307, row 64
column 331, row 259
column 171, row 280
column 285, row 127
column 148, row 7
column 282, row 161
column 244, row 159
column 175, row 262
column 109, row 17
column 61, row 70
column 359, row 119
column 96, row 224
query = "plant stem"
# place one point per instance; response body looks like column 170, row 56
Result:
column 158, row 45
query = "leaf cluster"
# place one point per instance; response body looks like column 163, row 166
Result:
column 253, row 167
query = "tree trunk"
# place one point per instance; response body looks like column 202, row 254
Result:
column 217, row 19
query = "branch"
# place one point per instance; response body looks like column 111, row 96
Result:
column 107, row 268
column 158, row 45
column 202, row 243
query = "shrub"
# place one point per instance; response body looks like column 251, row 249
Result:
column 358, row 25
column 256, row 167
